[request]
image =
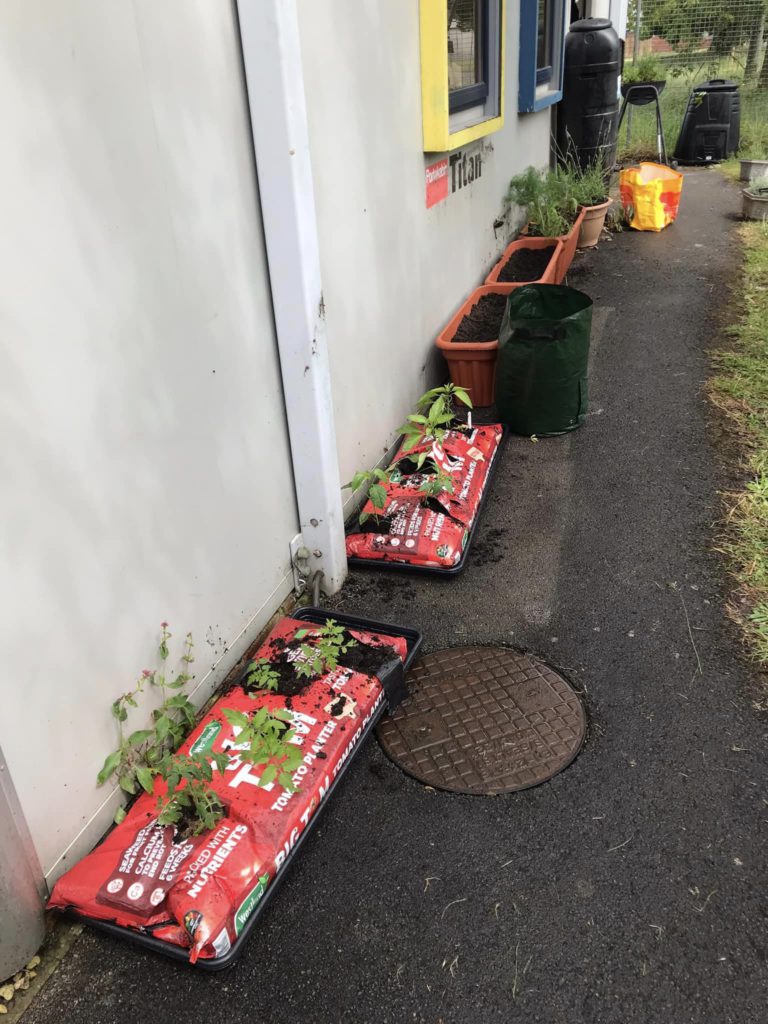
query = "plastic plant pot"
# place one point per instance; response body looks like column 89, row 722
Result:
column 527, row 242
column 570, row 241
column 592, row 224
column 472, row 364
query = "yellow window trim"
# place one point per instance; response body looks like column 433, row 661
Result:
column 433, row 27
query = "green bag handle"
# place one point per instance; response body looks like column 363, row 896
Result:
column 548, row 332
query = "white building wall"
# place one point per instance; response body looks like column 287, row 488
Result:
column 145, row 468
column 394, row 272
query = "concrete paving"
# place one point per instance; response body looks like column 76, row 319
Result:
column 632, row 888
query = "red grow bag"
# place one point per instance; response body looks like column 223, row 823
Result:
column 409, row 533
column 197, row 894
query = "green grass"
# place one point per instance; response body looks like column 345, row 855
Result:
column 731, row 169
column 740, row 391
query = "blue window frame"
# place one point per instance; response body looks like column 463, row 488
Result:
column 542, row 34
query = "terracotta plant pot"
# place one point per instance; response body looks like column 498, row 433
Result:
column 548, row 277
column 592, row 225
column 472, row 364
column 570, row 241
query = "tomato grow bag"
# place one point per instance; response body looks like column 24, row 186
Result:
column 198, row 898
column 433, row 536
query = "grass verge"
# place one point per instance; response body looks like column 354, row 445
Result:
column 740, row 391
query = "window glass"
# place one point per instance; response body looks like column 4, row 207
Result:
column 544, row 35
column 464, row 51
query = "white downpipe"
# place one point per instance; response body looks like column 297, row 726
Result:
column 269, row 31
column 599, row 9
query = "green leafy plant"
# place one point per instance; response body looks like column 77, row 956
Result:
column 190, row 802
column 433, row 419
column 323, row 652
column 262, row 676
column 537, row 195
column 373, row 481
column 435, row 416
column 645, row 69
column 265, row 739
column 553, row 198
column 585, row 186
column 171, row 721
column 436, row 483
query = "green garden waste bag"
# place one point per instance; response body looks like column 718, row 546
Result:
column 541, row 371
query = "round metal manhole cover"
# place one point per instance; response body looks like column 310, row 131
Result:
column 484, row 720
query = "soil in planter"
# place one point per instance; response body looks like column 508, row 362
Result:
column 483, row 321
column 187, row 825
column 526, row 264
column 376, row 524
column 360, row 658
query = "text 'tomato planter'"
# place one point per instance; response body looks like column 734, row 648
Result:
column 472, row 364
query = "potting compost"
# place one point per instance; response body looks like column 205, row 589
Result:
column 483, row 321
column 526, row 264
column 433, row 532
column 198, row 891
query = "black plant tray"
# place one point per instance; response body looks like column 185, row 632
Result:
column 413, row 639
column 433, row 570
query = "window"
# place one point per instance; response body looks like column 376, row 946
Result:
column 462, row 68
column 542, row 37
column 467, row 53
column 544, row 42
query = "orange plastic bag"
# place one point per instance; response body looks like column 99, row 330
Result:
column 650, row 195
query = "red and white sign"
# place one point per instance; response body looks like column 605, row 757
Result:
column 436, row 177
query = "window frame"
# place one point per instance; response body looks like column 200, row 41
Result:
column 445, row 128
column 540, row 86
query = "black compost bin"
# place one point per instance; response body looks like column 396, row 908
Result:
column 541, row 369
column 711, row 125
column 588, row 113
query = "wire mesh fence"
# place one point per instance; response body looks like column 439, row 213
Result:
column 463, row 26
column 685, row 42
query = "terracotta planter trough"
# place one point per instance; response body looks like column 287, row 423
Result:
column 472, row 364
column 549, row 276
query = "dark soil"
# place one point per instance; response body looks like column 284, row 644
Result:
column 483, row 321
column 526, row 264
column 364, row 658
column 376, row 524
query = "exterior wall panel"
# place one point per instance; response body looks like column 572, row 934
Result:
column 146, row 472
